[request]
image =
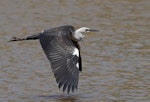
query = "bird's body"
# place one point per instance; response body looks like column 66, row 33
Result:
column 61, row 47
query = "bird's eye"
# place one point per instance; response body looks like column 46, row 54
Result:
column 86, row 30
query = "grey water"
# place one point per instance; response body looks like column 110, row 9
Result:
column 116, row 60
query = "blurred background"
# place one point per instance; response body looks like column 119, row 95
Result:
column 116, row 60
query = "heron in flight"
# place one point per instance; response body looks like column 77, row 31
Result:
column 60, row 45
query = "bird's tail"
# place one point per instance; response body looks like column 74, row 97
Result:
column 32, row 37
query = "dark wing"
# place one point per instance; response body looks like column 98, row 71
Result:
column 60, row 51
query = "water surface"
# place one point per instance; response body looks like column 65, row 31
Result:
column 116, row 60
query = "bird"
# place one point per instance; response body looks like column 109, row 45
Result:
column 61, row 46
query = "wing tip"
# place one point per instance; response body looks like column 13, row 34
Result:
column 67, row 88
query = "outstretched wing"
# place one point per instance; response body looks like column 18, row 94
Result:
column 64, row 58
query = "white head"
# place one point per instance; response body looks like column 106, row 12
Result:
column 78, row 33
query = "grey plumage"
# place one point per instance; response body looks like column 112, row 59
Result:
column 58, row 48
column 61, row 47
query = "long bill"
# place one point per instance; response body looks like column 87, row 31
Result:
column 93, row 30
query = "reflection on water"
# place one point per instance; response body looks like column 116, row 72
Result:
column 60, row 98
column 115, row 60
